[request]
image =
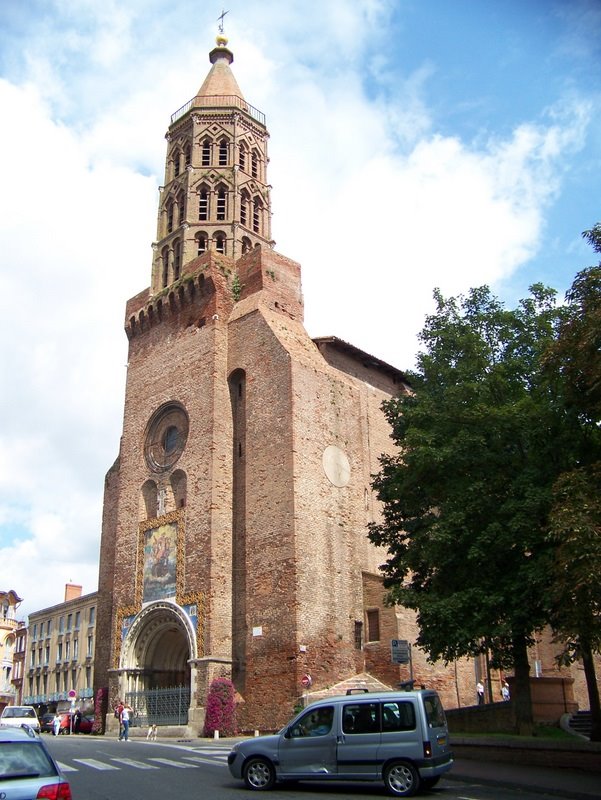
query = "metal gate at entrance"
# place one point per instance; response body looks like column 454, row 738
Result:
column 160, row 706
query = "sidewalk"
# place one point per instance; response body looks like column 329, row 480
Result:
column 565, row 783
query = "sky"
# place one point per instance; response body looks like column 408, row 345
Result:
column 414, row 144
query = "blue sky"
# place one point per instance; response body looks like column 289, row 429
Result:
column 413, row 145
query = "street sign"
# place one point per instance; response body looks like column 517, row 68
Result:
column 306, row 681
column 400, row 651
column 72, row 694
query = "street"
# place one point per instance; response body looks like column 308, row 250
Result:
column 102, row 768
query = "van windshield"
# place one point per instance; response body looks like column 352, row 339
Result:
column 434, row 711
column 17, row 711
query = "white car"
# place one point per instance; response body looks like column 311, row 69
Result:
column 15, row 716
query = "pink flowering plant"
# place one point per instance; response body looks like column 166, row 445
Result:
column 221, row 709
column 100, row 707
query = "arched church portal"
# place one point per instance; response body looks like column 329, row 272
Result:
column 155, row 664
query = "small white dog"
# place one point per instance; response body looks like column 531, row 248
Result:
column 152, row 733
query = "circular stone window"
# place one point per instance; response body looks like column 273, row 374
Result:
column 336, row 466
column 166, row 437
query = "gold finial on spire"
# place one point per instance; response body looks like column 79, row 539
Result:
column 221, row 39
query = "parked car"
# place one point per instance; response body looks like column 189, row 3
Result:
column 85, row 725
column 46, row 721
column 27, row 769
column 400, row 738
column 15, row 716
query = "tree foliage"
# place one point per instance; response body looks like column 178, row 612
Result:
column 503, row 411
column 481, row 440
column 575, row 520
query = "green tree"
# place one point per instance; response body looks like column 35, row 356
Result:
column 575, row 522
column 482, row 437
column 575, row 530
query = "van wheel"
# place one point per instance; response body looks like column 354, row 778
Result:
column 401, row 779
column 259, row 774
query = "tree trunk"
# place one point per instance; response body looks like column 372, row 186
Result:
column 522, row 699
column 593, row 689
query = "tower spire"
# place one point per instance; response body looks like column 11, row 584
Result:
column 216, row 196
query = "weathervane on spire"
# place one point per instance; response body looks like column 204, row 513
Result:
column 220, row 19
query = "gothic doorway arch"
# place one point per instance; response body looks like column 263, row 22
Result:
column 155, row 670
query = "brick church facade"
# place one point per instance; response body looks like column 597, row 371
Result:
column 235, row 516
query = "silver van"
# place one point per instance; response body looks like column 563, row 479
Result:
column 400, row 738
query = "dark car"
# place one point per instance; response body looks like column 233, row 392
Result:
column 46, row 723
column 87, row 723
column 26, row 767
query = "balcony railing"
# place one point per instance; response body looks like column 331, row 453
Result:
column 219, row 101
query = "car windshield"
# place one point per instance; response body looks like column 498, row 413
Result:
column 15, row 711
column 24, row 759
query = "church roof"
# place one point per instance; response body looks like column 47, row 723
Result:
column 361, row 357
column 220, row 81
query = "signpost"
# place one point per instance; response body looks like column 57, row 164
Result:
column 307, row 681
column 400, row 653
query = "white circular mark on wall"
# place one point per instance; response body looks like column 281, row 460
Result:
column 336, row 466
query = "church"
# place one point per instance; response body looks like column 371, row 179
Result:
column 234, row 535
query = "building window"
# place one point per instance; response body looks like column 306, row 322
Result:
column 61, row 624
column 358, row 635
column 254, row 164
column 187, row 155
column 170, row 216
column 90, row 651
column 67, row 650
column 203, row 203
column 177, row 260
column 373, row 625
column 88, row 677
column 47, row 655
column 201, row 241
column 220, row 243
column 48, row 627
column 221, row 204
column 32, row 662
column 77, row 618
column 176, row 163
column 164, row 267
column 246, row 244
column 92, row 615
column 223, row 153
column 75, row 648
column 244, row 200
column 242, row 157
column 69, row 621
column 59, row 652
column 257, row 208
column 34, row 635
column 206, row 153
column 180, row 208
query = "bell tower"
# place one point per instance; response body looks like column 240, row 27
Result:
column 215, row 197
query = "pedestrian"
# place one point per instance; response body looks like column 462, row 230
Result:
column 505, row 691
column 480, row 693
column 76, row 720
column 118, row 710
column 125, row 717
column 56, row 723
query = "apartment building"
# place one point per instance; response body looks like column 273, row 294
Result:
column 11, row 630
column 59, row 665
